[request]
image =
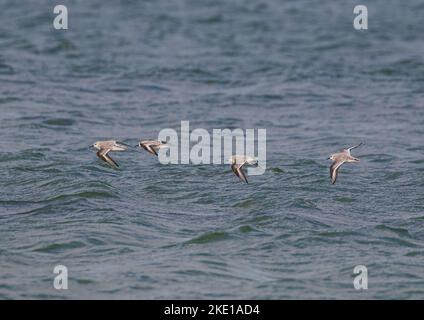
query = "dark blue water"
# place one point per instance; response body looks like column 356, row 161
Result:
column 127, row 69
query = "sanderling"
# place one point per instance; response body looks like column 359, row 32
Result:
column 340, row 158
column 237, row 163
column 105, row 146
column 152, row 146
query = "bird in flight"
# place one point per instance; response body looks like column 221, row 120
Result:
column 338, row 159
column 237, row 163
column 152, row 146
column 105, row 147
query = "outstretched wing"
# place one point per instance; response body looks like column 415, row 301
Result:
column 348, row 149
column 120, row 146
column 102, row 154
column 238, row 171
column 149, row 148
column 334, row 169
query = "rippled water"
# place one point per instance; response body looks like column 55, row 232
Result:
column 127, row 69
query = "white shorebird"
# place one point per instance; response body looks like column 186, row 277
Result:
column 237, row 163
column 340, row 158
column 152, row 146
column 105, row 147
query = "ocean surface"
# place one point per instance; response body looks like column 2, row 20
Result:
column 127, row 69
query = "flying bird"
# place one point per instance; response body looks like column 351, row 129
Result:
column 237, row 163
column 152, row 146
column 105, row 147
column 340, row 158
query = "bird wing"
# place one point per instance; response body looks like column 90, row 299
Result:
column 120, row 146
column 149, row 148
column 103, row 154
column 238, row 171
column 334, row 170
column 348, row 149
